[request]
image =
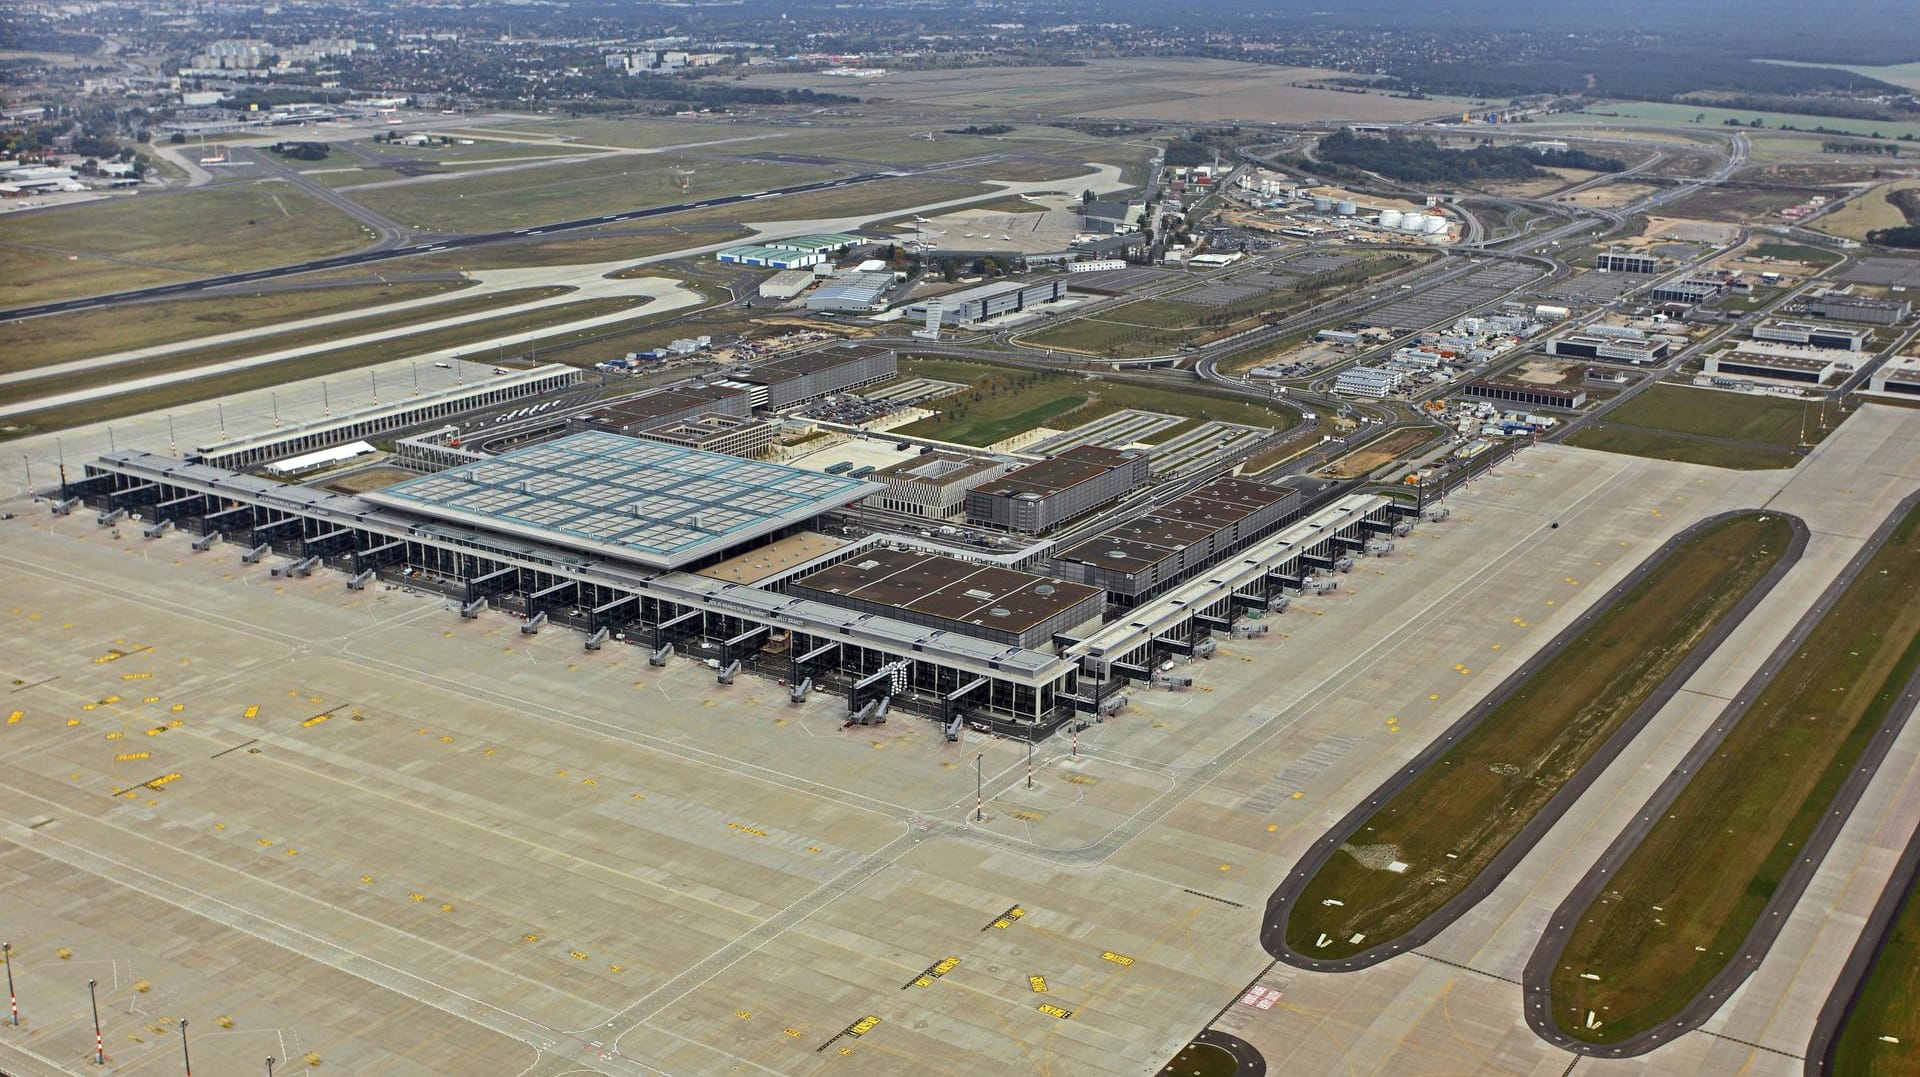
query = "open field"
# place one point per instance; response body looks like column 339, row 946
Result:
column 1379, row 452
column 1714, row 119
column 1676, row 910
column 1704, row 426
column 1662, row 445
column 1011, row 400
column 516, row 199
column 268, row 341
column 1867, row 212
column 1733, row 204
column 267, row 375
column 1816, row 257
column 167, row 237
column 889, row 145
column 629, row 132
column 60, row 337
column 1173, row 89
column 1467, row 804
column 1888, row 1005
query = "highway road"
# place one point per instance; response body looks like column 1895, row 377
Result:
column 1273, row 932
column 380, row 254
column 1537, row 978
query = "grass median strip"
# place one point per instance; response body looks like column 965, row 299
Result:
column 1428, row 842
column 1681, row 905
column 1880, row 1035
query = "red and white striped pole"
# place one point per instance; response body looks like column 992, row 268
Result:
column 979, row 798
column 1029, row 764
column 1076, row 740
column 99, row 1046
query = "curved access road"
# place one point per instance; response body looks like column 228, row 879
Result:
column 1537, row 978
column 1853, row 975
column 1273, row 932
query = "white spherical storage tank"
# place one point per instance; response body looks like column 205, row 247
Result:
column 1413, row 222
column 1390, row 218
column 1436, row 225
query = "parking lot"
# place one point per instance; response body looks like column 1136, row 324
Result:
column 1426, row 306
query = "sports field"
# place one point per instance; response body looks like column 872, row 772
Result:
column 1445, row 827
column 1678, row 908
column 160, row 238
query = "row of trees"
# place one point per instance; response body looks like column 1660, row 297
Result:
column 1421, row 160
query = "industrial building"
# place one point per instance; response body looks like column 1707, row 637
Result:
column 984, row 601
column 1623, row 261
column 1687, row 290
column 934, row 485
column 1899, row 376
column 1635, row 350
column 1843, row 305
column 1140, row 558
column 1793, row 369
column 1367, row 381
column 1039, row 496
column 762, row 256
column 987, row 301
column 1520, row 392
column 852, row 293
column 787, row 284
column 1814, row 335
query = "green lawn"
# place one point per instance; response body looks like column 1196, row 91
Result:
column 632, row 132
column 59, row 338
column 1888, row 1005
column 159, row 238
column 1468, row 804
column 1682, row 903
column 535, row 196
column 1742, row 417
column 1012, row 400
column 1660, row 445
column 1795, row 252
column 1714, row 119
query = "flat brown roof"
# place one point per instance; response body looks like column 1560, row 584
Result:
column 661, row 402
column 950, row 589
column 775, row 557
column 1139, row 544
column 1552, row 391
column 1062, row 472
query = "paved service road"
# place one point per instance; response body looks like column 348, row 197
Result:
column 1773, row 916
column 1853, row 977
column 1273, row 932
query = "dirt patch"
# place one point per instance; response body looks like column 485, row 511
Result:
column 1364, row 460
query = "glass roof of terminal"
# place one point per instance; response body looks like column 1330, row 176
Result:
column 638, row 500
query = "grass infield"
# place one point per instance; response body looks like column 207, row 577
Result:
column 1682, row 903
column 1468, row 804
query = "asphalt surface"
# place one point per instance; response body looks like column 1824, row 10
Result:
column 1273, row 933
column 1537, row 978
column 1248, row 1062
column 367, row 257
column 1866, row 952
